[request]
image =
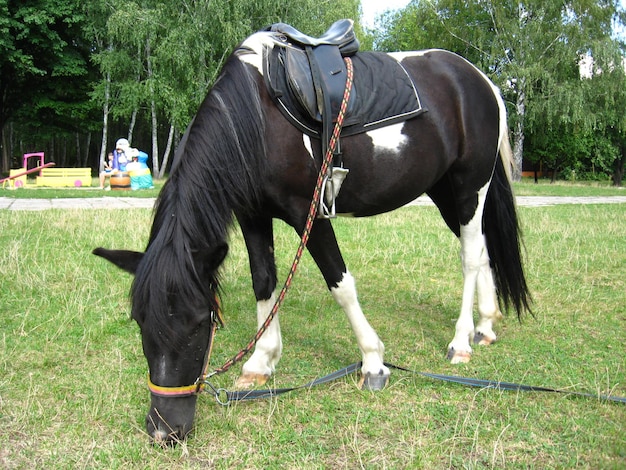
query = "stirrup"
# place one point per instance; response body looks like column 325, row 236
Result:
column 329, row 192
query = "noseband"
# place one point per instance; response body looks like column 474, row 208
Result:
column 198, row 386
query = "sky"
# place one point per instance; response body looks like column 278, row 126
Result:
column 373, row 8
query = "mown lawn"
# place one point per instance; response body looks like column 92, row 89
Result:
column 72, row 373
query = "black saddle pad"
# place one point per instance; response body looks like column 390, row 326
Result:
column 383, row 93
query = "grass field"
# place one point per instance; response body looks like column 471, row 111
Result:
column 72, row 373
column 525, row 188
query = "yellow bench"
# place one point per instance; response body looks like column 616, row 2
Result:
column 56, row 177
column 17, row 178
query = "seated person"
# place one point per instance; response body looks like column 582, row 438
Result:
column 108, row 170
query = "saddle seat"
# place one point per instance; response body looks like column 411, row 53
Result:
column 340, row 35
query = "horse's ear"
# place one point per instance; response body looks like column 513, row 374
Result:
column 123, row 259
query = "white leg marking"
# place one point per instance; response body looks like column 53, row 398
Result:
column 476, row 272
column 269, row 348
column 372, row 348
column 488, row 310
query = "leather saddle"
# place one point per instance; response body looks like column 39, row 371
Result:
column 316, row 71
column 306, row 78
column 340, row 34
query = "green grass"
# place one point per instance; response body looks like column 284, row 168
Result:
column 526, row 187
column 72, row 373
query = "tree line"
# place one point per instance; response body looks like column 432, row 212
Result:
column 559, row 64
column 75, row 75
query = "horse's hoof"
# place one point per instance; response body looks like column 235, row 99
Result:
column 249, row 380
column 458, row 357
column 373, row 382
column 481, row 339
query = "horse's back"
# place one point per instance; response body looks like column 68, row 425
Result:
column 441, row 74
column 391, row 165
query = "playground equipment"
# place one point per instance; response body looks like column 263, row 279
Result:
column 17, row 178
column 137, row 174
column 55, row 177
column 58, row 177
column 140, row 175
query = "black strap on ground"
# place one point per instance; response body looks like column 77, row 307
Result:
column 226, row 397
column 480, row 383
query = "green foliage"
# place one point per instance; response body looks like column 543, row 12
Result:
column 190, row 42
column 44, row 64
column 64, row 60
column 172, row 53
column 532, row 50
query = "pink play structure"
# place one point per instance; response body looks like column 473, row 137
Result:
column 16, row 178
column 38, row 155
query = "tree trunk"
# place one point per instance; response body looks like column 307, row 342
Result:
column 518, row 133
column 166, row 154
column 153, row 112
column 85, row 162
column 78, row 159
column 618, row 173
column 155, row 138
column 63, row 150
column 105, row 123
column 131, row 126
column 6, row 164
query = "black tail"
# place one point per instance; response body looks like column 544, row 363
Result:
column 503, row 236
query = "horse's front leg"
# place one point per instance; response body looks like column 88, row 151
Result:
column 325, row 251
column 258, row 234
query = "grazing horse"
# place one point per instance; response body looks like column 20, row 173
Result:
column 242, row 158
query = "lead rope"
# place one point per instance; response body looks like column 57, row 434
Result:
column 307, row 228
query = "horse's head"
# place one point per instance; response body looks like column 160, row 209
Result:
column 176, row 323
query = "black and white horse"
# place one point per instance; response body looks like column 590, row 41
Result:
column 241, row 158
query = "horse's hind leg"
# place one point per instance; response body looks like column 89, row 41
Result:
column 488, row 311
column 258, row 234
column 325, row 251
column 477, row 279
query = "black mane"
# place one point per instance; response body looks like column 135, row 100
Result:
column 218, row 168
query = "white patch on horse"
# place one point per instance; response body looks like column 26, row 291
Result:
column 372, row 348
column 400, row 56
column 477, row 275
column 307, row 144
column 251, row 50
column 388, row 138
column 269, row 348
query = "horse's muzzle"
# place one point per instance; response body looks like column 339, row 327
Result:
column 170, row 420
